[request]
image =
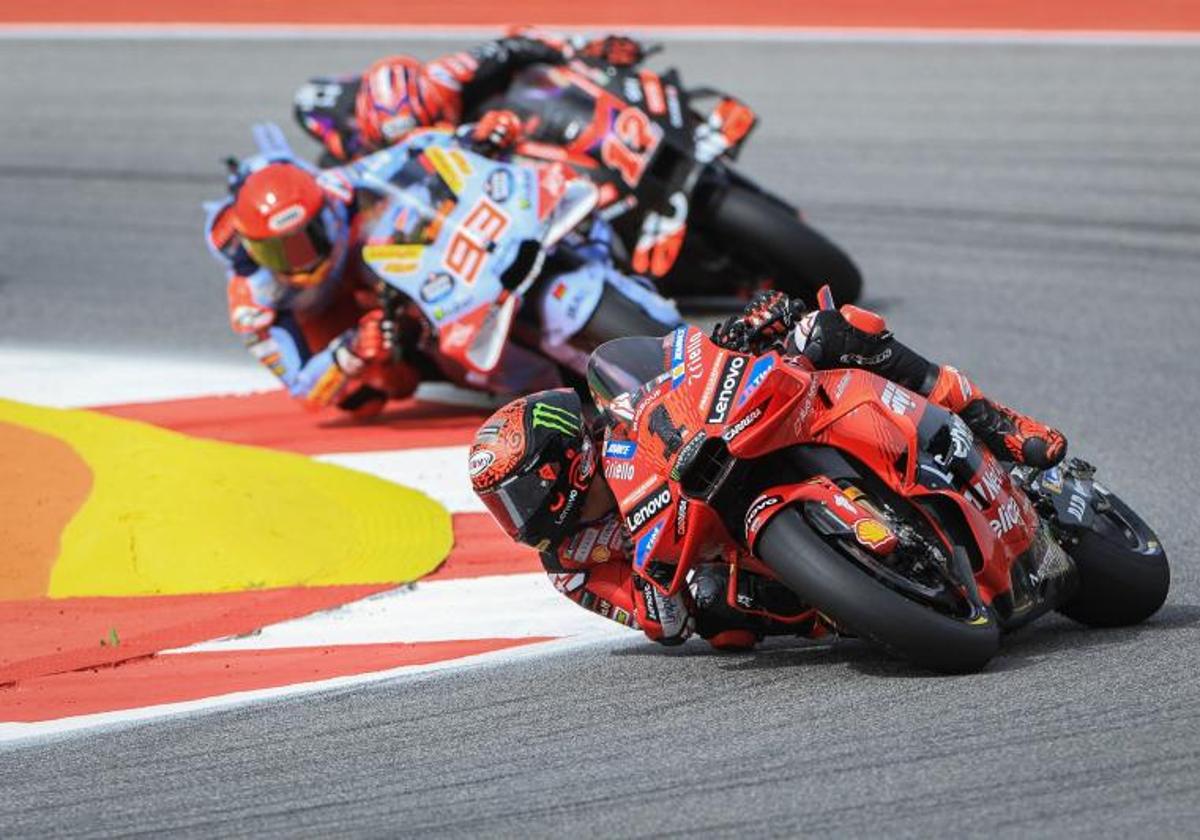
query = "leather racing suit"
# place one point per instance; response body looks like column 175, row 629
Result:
column 594, row 566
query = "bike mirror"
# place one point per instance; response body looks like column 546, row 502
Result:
column 579, row 198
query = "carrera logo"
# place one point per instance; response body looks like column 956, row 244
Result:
column 741, row 425
column 286, row 218
column 480, row 461
column 754, row 514
column 731, row 377
column 648, row 508
column 681, row 515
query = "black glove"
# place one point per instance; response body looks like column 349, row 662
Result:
column 765, row 322
column 835, row 342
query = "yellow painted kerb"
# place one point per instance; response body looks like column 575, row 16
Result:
column 170, row 514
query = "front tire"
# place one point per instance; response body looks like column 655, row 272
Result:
column 1123, row 571
column 836, row 586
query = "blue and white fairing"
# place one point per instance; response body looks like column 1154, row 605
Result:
column 448, row 226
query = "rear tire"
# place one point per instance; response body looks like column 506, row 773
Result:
column 768, row 232
column 616, row 316
column 1123, row 574
column 832, row 583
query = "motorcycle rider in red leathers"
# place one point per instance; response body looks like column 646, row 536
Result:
column 397, row 94
column 534, row 464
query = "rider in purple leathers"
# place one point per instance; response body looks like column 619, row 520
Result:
column 357, row 115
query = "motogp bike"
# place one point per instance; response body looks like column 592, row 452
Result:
column 662, row 158
column 482, row 252
column 662, row 155
column 874, row 506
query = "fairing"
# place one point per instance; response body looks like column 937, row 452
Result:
column 691, row 411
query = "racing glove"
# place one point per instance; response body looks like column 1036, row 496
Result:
column 829, row 339
column 614, row 50
column 496, row 131
column 369, row 343
column 765, row 322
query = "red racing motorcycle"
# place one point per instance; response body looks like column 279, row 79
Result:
column 664, row 165
column 874, row 506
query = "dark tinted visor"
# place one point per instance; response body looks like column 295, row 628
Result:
column 517, row 502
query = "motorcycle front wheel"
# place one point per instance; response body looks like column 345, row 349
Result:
column 823, row 573
column 1123, row 571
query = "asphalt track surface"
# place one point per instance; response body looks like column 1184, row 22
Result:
column 1031, row 213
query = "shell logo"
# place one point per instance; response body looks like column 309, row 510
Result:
column 872, row 533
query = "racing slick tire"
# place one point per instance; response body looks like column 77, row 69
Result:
column 770, row 232
column 854, row 599
column 1123, row 572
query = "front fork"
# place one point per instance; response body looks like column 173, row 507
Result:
column 1066, row 503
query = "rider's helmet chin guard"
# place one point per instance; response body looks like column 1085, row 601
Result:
column 532, row 464
column 394, row 98
column 285, row 223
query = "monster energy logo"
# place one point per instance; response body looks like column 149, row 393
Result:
column 554, row 418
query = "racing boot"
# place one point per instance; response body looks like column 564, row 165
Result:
column 1010, row 435
column 717, row 624
column 767, row 610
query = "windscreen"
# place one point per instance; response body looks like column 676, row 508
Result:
column 622, row 366
column 423, row 200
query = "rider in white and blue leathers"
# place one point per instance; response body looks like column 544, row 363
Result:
column 290, row 238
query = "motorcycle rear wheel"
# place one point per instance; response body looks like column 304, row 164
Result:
column 766, row 231
column 819, row 573
column 1123, row 571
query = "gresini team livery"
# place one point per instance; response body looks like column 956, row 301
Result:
column 475, row 245
column 873, row 505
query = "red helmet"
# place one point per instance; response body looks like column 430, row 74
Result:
column 278, row 217
column 395, row 97
column 532, row 464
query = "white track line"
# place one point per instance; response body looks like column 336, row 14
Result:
column 11, row 733
column 440, row 472
column 708, row 34
column 73, row 379
column 499, row 606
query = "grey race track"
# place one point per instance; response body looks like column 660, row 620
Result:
column 1031, row 213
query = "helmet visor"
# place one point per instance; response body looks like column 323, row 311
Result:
column 291, row 253
column 518, row 502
